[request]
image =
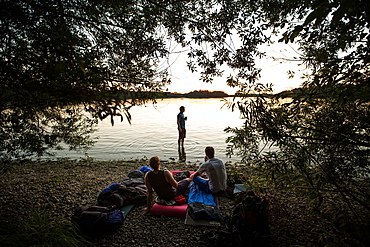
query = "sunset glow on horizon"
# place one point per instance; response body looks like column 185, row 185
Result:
column 280, row 58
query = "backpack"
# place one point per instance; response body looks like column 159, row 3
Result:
column 96, row 220
column 249, row 221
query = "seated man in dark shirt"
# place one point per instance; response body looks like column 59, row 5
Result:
column 163, row 183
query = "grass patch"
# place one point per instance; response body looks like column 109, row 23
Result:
column 40, row 229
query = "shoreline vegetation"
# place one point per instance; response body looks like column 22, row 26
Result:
column 56, row 188
column 220, row 94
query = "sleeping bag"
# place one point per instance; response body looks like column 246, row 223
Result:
column 202, row 205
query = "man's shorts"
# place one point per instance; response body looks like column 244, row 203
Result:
column 182, row 134
column 182, row 186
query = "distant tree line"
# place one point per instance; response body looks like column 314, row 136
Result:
column 196, row 94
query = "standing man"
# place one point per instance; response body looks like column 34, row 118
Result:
column 181, row 127
column 216, row 173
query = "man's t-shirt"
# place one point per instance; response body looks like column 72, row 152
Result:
column 216, row 172
column 181, row 118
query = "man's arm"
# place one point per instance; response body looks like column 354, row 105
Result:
column 170, row 179
column 199, row 172
column 194, row 174
column 178, row 123
column 149, row 194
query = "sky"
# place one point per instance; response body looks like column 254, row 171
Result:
column 275, row 72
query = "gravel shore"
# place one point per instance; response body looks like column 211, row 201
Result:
column 60, row 186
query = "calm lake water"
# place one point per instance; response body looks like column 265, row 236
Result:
column 153, row 132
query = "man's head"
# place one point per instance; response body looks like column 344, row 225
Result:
column 182, row 108
column 154, row 162
column 210, row 152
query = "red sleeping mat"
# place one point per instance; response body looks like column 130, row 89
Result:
column 176, row 211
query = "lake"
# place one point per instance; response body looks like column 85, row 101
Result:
column 153, row 132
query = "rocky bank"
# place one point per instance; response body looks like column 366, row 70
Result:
column 58, row 187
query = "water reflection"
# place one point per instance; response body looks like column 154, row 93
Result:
column 182, row 154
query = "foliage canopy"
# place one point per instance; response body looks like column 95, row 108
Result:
column 59, row 55
column 320, row 137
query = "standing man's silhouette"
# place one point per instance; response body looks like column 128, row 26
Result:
column 181, row 127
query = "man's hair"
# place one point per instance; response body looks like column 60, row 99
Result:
column 154, row 162
column 182, row 107
column 210, row 152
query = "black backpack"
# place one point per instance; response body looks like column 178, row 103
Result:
column 249, row 222
column 96, row 220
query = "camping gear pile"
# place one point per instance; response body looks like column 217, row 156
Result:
column 247, row 226
column 113, row 204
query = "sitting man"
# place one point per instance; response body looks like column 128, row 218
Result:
column 215, row 171
column 163, row 183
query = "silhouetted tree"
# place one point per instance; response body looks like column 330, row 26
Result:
column 322, row 136
column 66, row 64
